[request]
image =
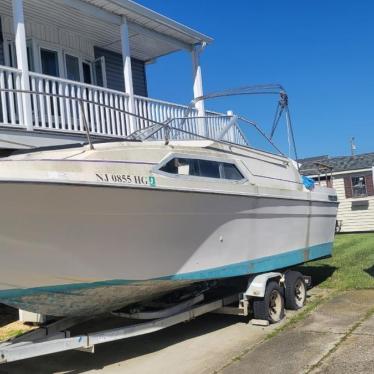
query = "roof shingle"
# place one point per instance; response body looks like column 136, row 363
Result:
column 341, row 163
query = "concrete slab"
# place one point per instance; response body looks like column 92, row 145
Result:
column 298, row 350
column 366, row 328
column 291, row 352
column 341, row 313
column 200, row 346
column 354, row 355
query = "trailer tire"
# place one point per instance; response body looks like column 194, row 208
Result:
column 271, row 306
column 295, row 290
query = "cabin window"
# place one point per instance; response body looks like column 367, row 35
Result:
column 209, row 169
column 230, row 171
column 202, row 168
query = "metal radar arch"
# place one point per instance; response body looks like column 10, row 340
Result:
column 281, row 109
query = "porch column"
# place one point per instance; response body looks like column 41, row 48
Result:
column 198, row 87
column 127, row 71
column 22, row 63
column 197, row 79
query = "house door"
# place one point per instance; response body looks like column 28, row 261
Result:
column 100, row 71
column 50, row 66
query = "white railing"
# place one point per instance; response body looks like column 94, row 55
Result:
column 63, row 105
column 158, row 110
column 212, row 125
column 66, row 106
column 10, row 99
column 163, row 111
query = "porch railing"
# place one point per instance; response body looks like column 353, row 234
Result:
column 55, row 107
column 211, row 126
column 66, row 106
column 10, row 98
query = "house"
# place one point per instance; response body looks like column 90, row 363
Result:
column 352, row 177
column 69, row 65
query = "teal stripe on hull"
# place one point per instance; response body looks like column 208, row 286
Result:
column 260, row 265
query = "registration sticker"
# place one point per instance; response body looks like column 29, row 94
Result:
column 152, row 181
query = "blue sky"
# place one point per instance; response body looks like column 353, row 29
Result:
column 321, row 51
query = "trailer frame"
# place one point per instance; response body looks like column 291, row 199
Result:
column 56, row 337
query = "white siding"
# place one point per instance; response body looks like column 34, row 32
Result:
column 353, row 220
column 51, row 34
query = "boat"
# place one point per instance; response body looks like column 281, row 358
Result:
column 92, row 228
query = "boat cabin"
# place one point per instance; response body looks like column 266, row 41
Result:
column 71, row 65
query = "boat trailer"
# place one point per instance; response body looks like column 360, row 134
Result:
column 55, row 337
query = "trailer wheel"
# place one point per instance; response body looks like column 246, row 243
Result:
column 295, row 290
column 271, row 306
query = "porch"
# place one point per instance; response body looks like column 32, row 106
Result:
column 70, row 64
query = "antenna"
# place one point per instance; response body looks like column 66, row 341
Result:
column 353, row 146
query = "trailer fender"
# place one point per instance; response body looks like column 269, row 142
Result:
column 257, row 284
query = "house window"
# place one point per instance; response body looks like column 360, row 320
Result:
column 49, row 60
column 359, row 186
column 202, row 168
column 72, row 67
column 11, row 56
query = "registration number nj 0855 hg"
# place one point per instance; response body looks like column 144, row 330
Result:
column 126, row 179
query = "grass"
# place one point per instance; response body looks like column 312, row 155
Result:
column 11, row 334
column 14, row 329
column 350, row 267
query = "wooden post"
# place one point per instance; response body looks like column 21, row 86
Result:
column 198, row 86
column 127, row 71
column 22, row 63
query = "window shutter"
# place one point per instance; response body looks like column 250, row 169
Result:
column 348, row 187
column 369, row 184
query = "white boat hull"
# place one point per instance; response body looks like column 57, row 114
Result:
column 90, row 249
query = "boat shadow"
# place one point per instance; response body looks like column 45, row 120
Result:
column 118, row 352
column 318, row 273
column 7, row 315
column 370, row 271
